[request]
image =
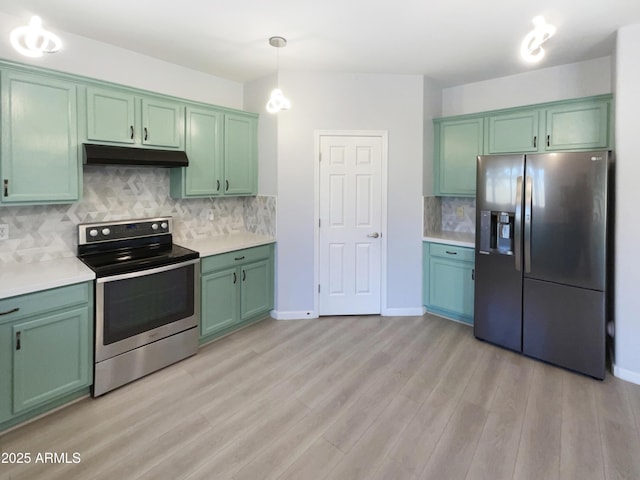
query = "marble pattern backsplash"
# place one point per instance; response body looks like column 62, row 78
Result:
column 45, row 232
column 450, row 219
column 441, row 214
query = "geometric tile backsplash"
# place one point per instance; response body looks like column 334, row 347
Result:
column 44, row 232
column 441, row 214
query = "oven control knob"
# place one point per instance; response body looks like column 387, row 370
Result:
column 163, row 225
column 106, row 231
column 154, row 226
column 93, row 233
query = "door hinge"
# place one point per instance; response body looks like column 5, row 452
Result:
column 320, row 157
column 318, row 288
column 319, row 223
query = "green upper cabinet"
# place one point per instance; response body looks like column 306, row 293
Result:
column 40, row 162
column 120, row 117
column 575, row 126
column 513, row 132
column 570, row 125
column 162, row 123
column 204, row 176
column 458, row 143
column 240, row 155
column 110, row 116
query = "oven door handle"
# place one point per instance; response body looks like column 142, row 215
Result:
column 151, row 271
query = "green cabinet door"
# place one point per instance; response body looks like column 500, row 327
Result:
column 110, row 116
column 513, row 132
column 256, row 293
column 240, row 155
column 219, row 300
column 51, row 357
column 162, row 123
column 458, row 143
column 576, row 126
column 451, row 287
column 204, row 176
column 39, row 140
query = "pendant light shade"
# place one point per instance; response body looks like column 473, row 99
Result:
column 32, row 40
column 278, row 102
column 531, row 49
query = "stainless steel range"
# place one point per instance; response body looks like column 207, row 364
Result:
column 147, row 305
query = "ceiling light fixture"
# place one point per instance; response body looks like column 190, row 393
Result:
column 278, row 102
column 531, row 48
column 32, row 40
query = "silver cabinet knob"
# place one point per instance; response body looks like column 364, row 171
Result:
column 373, row 235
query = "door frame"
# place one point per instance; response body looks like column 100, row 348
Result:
column 384, row 136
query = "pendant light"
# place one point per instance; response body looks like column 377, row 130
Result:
column 32, row 40
column 531, row 48
column 278, row 102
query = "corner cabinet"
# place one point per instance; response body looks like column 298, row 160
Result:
column 46, row 350
column 448, row 281
column 237, row 289
column 40, row 162
column 222, row 151
column 120, row 117
column 571, row 125
column 458, row 142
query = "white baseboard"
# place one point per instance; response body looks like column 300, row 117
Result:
column 403, row 312
column 628, row 375
column 303, row 315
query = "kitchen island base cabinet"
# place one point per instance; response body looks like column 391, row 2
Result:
column 237, row 289
column 46, row 351
column 448, row 281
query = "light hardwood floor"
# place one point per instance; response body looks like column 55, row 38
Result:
column 346, row 398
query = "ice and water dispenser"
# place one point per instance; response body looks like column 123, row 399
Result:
column 497, row 232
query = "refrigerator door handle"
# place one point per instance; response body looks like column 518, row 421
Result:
column 518, row 225
column 527, row 224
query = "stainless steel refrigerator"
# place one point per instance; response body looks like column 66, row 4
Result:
column 541, row 256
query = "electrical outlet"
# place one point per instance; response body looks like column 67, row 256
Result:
column 4, row 231
column 210, row 214
column 460, row 212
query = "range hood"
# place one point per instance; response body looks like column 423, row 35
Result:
column 108, row 155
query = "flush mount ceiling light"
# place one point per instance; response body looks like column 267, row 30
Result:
column 278, row 102
column 32, row 40
column 531, row 48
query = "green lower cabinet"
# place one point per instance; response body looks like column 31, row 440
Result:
column 46, row 351
column 52, row 359
column 448, row 282
column 219, row 301
column 237, row 289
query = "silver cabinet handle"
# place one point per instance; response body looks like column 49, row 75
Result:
column 131, row 129
column 373, row 235
column 13, row 310
column 146, row 134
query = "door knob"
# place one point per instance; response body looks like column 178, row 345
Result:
column 374, row 235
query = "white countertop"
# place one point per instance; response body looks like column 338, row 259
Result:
column 452, row 238
column 21, row 278
column 225, row 243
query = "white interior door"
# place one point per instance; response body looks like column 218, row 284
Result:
column 350, row 225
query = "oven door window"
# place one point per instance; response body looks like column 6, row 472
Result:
column 136, row 305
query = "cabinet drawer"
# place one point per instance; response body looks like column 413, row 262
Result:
column 36, row 303
column 237, row 257
column 451, row 252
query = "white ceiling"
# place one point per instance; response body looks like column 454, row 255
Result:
column 452, row 41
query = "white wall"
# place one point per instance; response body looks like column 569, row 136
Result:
column 627, row 303
column 322, row 101
column 582, row 79
column 256, row 94
column 83, row 56
column 432, row 108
